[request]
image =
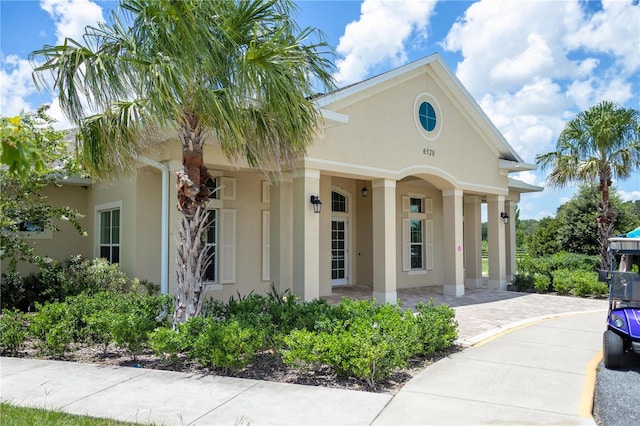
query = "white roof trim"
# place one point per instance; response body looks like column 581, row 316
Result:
column 514, row 166
column 333, row 118
column 521, row 186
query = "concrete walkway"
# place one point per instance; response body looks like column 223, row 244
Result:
column 536, row 370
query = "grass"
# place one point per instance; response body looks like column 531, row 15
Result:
column 12, row 415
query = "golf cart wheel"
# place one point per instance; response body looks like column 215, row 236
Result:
column 613, row 350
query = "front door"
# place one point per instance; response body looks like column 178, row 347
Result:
column 339, row 251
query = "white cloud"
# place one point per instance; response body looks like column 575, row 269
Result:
column 72, row 16
column 378, row 36
column 17, row 85
column 613, row 30
column 534, row 64
column 629, row 195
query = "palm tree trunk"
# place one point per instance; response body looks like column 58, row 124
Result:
column 192, row 259
column 605, row 220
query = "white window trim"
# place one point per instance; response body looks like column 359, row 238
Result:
column 427, row 234
column 96, row 225
column 227, row 246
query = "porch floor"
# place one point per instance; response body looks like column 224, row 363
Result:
column 481, row 311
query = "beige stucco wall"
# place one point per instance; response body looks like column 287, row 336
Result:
column 382, row 139
column 67, row 242
column 122, row 194
column 148, row 225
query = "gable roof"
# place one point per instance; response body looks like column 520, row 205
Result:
column 510, row 160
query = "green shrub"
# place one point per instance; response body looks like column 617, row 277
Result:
column 93, row 316
column 369, row 342
column 227, row 344
column 165, row 341
column 12, row 291
column 587, row 284
column 563, row 281
column 437, row 327
column 523, row 281
column 574, row 261
column 13, row 331
column 53, row 327
column 541, row 282
column 136, row 317
column 91, row 276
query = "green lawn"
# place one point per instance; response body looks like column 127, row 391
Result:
column 11, row 415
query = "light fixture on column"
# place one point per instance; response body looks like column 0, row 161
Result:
column 505, row 217
column 317, row 204
column 364, row 191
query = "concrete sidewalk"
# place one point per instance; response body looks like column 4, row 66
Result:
column 539, row 373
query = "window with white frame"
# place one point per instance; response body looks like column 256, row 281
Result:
column 416, row 243
column 417, row 233
column 109, row 231
column 210, row 238
column 338, row 202
column 219, row 241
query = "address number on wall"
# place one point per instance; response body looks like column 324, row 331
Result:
column 429, row 152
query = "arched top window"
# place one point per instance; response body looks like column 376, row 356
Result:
column 338, row 202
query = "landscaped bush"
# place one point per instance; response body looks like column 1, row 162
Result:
column 369, row 345
column 136, row 317
column 57, row 281
column 437, row 327
column 13, row 331
column 367, row 341
column 227, row 344
column 354, row 339
column 563, row 281
column 547, row 265
column 53, row 326
column 587, row 284
column 523, row 281
column 574, row 261
column 541, row 282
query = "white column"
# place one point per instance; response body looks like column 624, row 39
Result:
column 384, row 241
column 510, row 239
column 453, row 243
column 281, row 233
column 306, row 234
column 496, row 237
column 473, row 242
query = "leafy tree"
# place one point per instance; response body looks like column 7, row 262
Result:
column 19, row 154
column 577, row 229
column 544, row 240
column 21, row 197
column 237, row 71
column 599, row 144
column 629, row 217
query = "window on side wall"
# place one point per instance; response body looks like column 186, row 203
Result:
column 210, row 239
column 109, row 246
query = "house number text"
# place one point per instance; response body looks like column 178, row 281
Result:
column 429, row 152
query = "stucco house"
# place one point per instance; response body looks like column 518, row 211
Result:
column 402, row 166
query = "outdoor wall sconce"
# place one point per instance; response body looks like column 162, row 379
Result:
column 505, row 217
column 317, row 204
column 364, row 191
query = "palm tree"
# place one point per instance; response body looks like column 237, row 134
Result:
column 240, row 71
column 599, row 144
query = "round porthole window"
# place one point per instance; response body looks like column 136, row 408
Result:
column 428, row 116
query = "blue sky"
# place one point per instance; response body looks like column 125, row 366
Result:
column 531, row 65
